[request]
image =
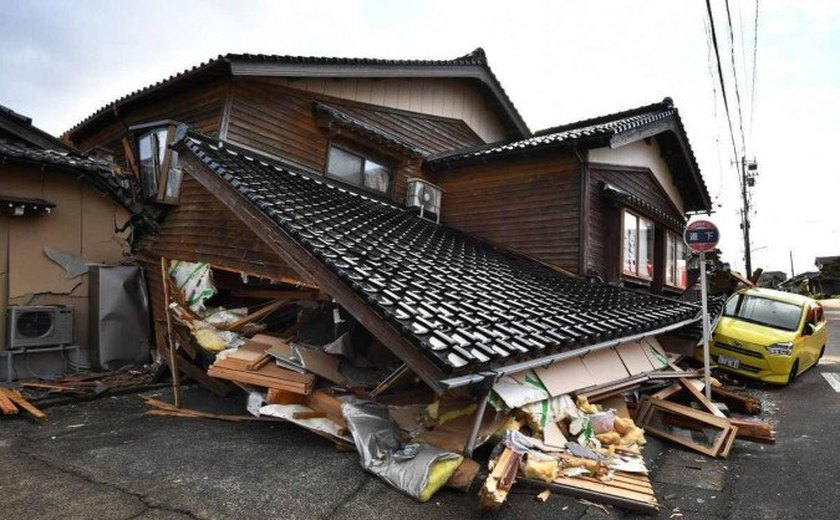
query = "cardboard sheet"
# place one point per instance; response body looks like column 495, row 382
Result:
column 605, row 366
column 634, row 358
column 565, row 377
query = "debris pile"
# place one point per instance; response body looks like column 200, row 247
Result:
column 576, row 426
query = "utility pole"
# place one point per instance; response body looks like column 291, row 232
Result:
column 747, row 181
column 792, row 274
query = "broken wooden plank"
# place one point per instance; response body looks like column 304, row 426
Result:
column 737, row 401
column 6, row 405
column 692, row 387
column 254, row 316
column 170, row 340
column 17, row 398
column 200, row 376
column 495, row 490
column 601, row 492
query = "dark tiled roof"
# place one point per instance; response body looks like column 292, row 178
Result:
column 593, row 132
column 25, row 152
column 463, row 304
column 98, row 172
column 362, row 127
column 589, row 133
column 640, row 205
column 221, row 66
column 419, row 134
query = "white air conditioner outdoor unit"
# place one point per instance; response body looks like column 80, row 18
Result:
column 39, row 326
column 424, row 195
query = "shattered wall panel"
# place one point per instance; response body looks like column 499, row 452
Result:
column 82, row 224
column 30, row 270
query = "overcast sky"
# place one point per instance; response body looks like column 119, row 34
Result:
column 559, row 61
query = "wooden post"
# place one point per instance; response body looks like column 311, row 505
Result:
column 173, row 367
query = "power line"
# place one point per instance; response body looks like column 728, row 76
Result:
column 735, row 77
column 754, row 75
column 720, row 78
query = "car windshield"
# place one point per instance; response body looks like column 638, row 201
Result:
column 763, row 311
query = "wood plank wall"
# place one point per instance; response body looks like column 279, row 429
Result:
column 281, row 122
column 531, row 205
column 202, row 229
column 605, row 218
column 200, row 108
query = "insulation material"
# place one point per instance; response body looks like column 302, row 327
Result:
column 416, row 469
column 194, row 280
column 516, row 394
column 319, row 424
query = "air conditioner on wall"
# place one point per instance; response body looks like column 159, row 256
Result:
column 39, row 326
column 425, row 196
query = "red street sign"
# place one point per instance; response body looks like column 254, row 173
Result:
column 701, row 236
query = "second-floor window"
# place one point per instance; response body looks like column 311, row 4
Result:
column 356, row 169
column 160, row 175
column 676, row 271
column 637, row 253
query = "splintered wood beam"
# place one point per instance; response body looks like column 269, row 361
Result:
column 17, row 398
column 129, row 157
column 254, row 316
column 495, row 490
column 286, row 294
column 737, row 401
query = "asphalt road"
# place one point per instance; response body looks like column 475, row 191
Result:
column 106, row 460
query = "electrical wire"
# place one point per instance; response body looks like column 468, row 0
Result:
column 720, row 78
column 710, row 68
column 754, row 75
column 735, row 77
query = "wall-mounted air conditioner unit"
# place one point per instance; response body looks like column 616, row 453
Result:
column 39, row 326
column 425, row 196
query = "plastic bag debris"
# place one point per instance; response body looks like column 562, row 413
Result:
column 417, row 469
column 194, row 280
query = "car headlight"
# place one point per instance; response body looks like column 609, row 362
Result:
column 780, row 349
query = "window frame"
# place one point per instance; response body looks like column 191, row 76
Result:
column 673, row 268
column 162, row 167
column 637, row 276
column 365, row 157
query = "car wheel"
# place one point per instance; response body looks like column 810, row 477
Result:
column 793, row 371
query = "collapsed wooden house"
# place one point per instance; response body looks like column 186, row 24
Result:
column 606, row 197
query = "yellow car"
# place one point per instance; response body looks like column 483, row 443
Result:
column 768, row 335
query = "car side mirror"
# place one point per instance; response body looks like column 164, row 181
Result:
column 808, row 329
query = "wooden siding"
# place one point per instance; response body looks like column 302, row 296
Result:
column 604, row 240
column 202, row 229
column 529, row 205
column 200, row 108
column 281, row 122
column 447, row 97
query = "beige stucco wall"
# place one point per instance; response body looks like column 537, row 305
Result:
column 644, row 154
column 83, row 223
column 446, row 97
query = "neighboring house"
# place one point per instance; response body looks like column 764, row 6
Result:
column 53, row 198
column 607, row 196
column 771, row 279
column 295, row 170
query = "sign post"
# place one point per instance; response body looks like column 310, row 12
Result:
column 701, row 236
